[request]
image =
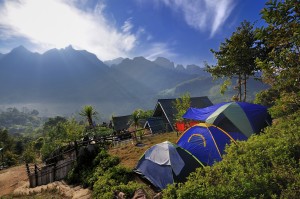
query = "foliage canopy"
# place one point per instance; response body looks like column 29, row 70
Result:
column 236, row 59
column 281, row 41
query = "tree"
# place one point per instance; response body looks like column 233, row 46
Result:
column 7, row 143
column 73, row 129
column 52, row 122
column 88, row 112
column 281, row 41
column 181, row 105
column 64, row 132
column 236, row 58
column 136, row 116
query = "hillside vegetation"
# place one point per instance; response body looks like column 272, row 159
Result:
column 266, row 165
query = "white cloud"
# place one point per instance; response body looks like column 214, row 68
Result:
column 203, row 15
column 127, row 26
column 158, row 50
column 58, row 23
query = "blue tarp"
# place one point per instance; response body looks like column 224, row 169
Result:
column 237, row 117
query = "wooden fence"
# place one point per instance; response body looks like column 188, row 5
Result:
column 61, row 162
column 49, row 173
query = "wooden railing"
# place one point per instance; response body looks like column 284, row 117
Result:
column 61, row 162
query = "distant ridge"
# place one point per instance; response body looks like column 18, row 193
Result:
column 114, row 61
column 61, row 81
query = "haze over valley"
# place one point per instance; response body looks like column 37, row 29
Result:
column 62, row 81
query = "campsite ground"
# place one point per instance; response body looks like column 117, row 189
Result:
column 11, row 178
column 130, row 154
column 14, row 177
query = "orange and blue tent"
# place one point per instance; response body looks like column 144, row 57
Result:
column 241, row 119
column 206, row 142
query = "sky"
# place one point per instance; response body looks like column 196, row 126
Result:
column 183, row 31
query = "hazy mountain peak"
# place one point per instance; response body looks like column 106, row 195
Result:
column 180, row 67
column 192, row 66
column 69, row 48
column 20, row 49
column 164, row 62
column 114, row 61
column 140, row 58
column 162, row 59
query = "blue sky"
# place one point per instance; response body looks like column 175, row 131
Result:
column 183, row 31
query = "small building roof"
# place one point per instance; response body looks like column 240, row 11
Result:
column 121, row 122
column 166, row 110
column 155, row 125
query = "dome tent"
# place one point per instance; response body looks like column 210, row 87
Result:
column 240, row 117
column 166, row 163
column 206, row 142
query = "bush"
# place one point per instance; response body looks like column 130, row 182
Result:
column 10, row 158
column 107, row 186
column 103, row 174
column 84, row 167
column 265, row 166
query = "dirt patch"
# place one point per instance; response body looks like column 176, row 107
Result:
column 11, row 178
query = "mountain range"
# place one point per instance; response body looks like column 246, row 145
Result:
column 62, row 81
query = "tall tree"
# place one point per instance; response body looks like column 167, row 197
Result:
column 281, row 38
column 236, row 59
column 136, row 116
column 89, row 112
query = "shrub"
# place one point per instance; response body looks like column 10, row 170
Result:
column 106, row 186
column 83, row 168
column 103, row 174
column 10, row 158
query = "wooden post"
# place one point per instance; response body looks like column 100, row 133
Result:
column 27, row 169
column 76, row 148
column 54, row 172
column 36, row 175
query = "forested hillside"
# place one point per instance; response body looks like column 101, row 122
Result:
column 20, row 122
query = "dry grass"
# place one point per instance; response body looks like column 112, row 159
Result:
column 130, row 154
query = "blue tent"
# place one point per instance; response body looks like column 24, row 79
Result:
column 242, row 117
column 206, row 142
column 166, row 163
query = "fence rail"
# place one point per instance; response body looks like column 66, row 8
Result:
column 63, row 159
column 49, row 173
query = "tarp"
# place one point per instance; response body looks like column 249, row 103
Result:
column 241, row 117
column 206, row 142
column 166, row 163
